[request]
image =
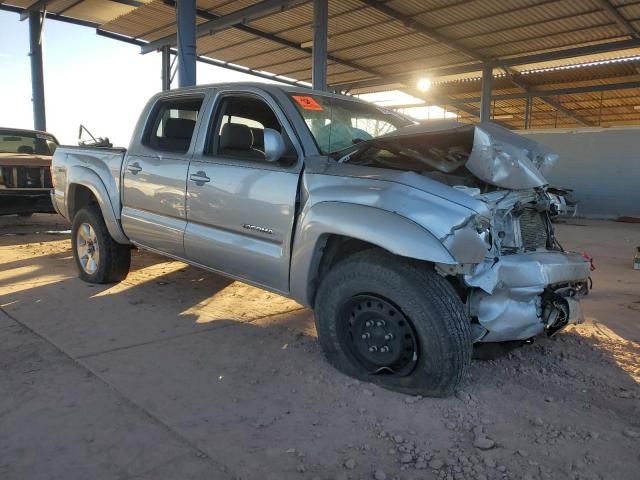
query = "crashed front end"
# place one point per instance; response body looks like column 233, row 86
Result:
column 510, row 270
column 527, row 283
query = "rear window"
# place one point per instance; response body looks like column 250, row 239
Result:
column 27, row 143
column 172, row 124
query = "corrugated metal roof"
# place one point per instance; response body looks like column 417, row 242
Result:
column 375, row 41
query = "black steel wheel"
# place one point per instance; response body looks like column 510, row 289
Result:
column 395, row 322
column 378, row 335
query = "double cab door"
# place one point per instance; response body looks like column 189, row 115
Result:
column 199, row 187
column 241, row 208
column 155, row 176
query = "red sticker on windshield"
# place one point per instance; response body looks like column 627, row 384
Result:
column 307, row 102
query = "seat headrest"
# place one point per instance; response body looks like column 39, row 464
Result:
column 25, row 149
column 236, row 136
column 181, row 128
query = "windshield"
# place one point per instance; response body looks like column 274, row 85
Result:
column 30, row 143
column 337, row 123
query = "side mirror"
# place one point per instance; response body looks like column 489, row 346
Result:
column 274, row 146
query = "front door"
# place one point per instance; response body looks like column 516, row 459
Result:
column 155, row 176
column 241, row 208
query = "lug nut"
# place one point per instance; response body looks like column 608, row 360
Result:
column 384, row 349
column 368, row 324
column 380, row 323
column 365, row 336
column 388, row 336
column 373, row 349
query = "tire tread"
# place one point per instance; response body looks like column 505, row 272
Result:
column 437, row 303
column 115, row 258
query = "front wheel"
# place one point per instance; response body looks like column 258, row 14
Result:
column 99, row 258
column 394, row 322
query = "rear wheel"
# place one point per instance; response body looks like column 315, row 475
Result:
column 98, row 257
column 394, row 322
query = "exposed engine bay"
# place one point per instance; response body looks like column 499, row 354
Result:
column 527, row 283
column 485, row 156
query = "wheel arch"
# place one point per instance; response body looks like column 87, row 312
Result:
column 331, row 231
column 84, row 187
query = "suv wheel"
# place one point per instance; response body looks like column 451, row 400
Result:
column 394, row 322
column 98, row 257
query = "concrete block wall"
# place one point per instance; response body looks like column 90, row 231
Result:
column 602, row 165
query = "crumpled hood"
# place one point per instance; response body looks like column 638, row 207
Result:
column 498, row 156
column 505, row 159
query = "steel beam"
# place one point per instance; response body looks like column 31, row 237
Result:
column 519, row 82
column 569, row 53
column 204, row 14
column 247, row 14
column 186, row 39
column 487, row 70
column 52, row 16
column 423, row 29
column 36, row 6
column 36, row 20
column 207, row 60
column 485, row 95
column 319, row 52
column 499, row 63
column 613, row 13
column 485, row 104
column 542, row 93
column 131, row 3
column 166, row 68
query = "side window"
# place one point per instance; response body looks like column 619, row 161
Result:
column 172, row 123
column 238, row 131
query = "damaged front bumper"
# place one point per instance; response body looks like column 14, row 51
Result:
column 515, row 297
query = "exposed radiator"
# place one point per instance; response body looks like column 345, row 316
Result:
column 533, row 230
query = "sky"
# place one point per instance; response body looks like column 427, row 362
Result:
column 96, row 81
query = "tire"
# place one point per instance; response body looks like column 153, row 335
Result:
column 98, row 257
column 404, row 292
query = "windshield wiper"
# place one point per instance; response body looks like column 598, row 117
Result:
column 344, row 155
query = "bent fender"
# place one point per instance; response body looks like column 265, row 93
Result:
column 363, row 223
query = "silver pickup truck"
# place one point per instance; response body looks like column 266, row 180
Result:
column 411, row 242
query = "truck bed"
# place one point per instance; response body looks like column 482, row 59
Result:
column 103, row 165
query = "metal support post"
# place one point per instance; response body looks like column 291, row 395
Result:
column 186, row 22
column 320, row 37
column 36, row 21
column 485, row 96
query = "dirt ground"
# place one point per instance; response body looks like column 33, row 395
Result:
column 177, row 373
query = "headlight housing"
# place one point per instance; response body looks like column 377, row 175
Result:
column 483, row 228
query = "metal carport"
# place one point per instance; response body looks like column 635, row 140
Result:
column 521, row 62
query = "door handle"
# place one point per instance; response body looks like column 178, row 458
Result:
column 134, row 168
column 200, row 178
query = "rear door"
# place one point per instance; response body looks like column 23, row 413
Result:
column 240, row 208
column 155, row 175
